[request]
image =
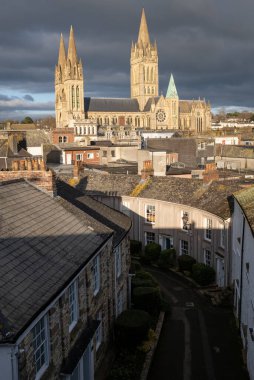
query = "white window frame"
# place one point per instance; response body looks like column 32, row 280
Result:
column 208, row 229
column 41, row 345
column 207, row 257
column 73, row 304
column 90, row 156
column 118, row 261
column 148, row 236
column 222, row 236
column 150, row 214
column 183, row 250
column 96, row 274
column 98, row 332
column 80, row 155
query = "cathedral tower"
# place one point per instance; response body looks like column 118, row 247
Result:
column 69, row 84
column 144, row 66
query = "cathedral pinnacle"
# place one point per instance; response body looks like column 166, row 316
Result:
column 72, row 52
column 143, row 36
column 62, row 53
column 172, row 91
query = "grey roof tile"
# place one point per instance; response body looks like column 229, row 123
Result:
column 43, row 243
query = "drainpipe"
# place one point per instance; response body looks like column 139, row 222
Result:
column 241, row 279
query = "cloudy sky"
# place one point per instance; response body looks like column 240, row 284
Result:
column 207, row 44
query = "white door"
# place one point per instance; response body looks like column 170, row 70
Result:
column 68, row 158
column 220, row 276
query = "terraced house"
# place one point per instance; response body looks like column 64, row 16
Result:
column 64, row 261
column 192, row 216
column 243, row 270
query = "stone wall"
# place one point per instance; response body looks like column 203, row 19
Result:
column 61, row 339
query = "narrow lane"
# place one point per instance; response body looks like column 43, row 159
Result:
column 194, row 337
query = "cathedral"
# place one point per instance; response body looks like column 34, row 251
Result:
column 145, row 108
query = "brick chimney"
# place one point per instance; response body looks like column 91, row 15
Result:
column 34, row 171
column 210, row 174
column 147, row 170
column 77, row 169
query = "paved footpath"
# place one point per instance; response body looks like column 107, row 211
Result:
column 198, row 341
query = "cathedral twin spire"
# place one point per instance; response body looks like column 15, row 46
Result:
column 72, row 56
column 69, row 84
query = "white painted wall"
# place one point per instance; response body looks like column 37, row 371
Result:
column 168, row 222
column 243, row 277
column 35, row 150
column 8, row 363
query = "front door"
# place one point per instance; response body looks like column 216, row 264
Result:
column 68, row 158
column 220, row 275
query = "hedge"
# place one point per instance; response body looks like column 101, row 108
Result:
column 167, row 258
column 135, row 247
column 185, row 263
column 143, row 279
column 152, row 251
column 203, row 274
column 132, row 326
column 147, row 298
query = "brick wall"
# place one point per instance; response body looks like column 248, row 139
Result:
column 64, row 134
column 34, row 171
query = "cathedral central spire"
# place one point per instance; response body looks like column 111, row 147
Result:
column 143, row 36
column 72, row 52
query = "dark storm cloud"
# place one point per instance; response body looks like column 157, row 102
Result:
column 207, row 44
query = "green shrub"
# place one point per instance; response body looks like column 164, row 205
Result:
column 203, row 274
column 135, row 247
column 143, row 279
column 132, row 326
column 135, row 266
column 152, row 251
column 167, row 258
column 127, row 366
column 185, row 262
column 147, row 298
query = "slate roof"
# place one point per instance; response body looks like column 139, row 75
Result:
column 36, row 138
column 213, row 198
column 245, row 198
column 100, row 213
column 185, row 147
column 76, row 146
column 44, row 242
column 149, row 103
column 239, row 151
column 96, row 183
column 111, row 105
column 21, row 127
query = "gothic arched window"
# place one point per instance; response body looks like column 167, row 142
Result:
column 77, row 96
column 72, row 97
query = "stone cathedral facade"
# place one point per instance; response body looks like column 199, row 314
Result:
column 145, row 108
